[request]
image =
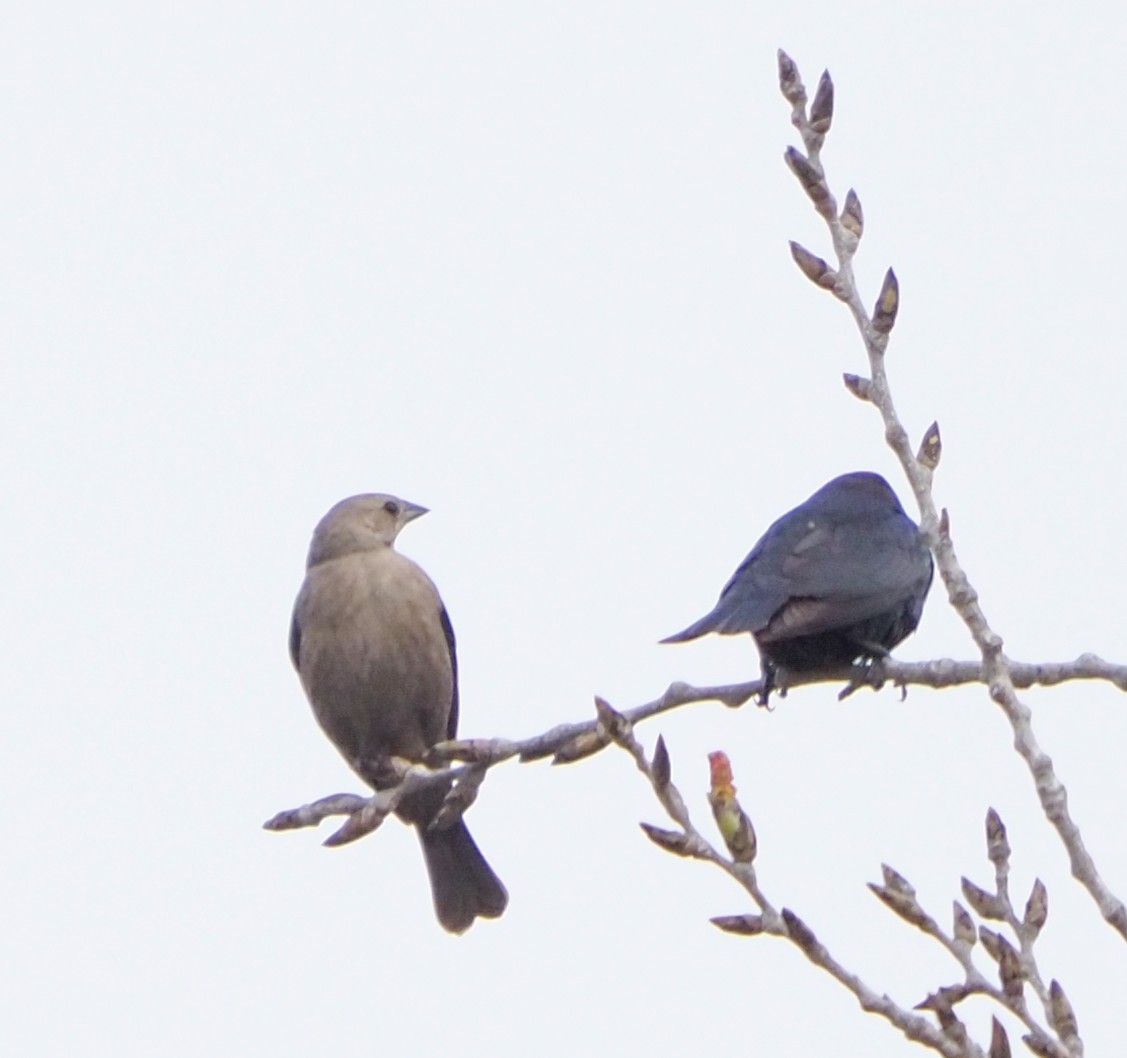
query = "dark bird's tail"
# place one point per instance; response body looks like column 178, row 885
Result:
column 462, row 883
column 694, row 631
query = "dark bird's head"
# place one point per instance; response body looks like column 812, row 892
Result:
column 361, row 523
column 861, row 490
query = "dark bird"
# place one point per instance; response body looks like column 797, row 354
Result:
column 374, row 647
column 841, row 578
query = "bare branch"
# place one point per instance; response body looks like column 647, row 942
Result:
column 998, row 669
column 731, row 818
column 312, row 815
column 566, row 743
column 365, row 814
column 1014, row 968
column 945, row 672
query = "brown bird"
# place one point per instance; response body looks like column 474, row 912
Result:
column 375, row 651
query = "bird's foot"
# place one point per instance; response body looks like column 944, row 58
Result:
column 770, row 681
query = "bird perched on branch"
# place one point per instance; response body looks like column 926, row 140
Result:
column 840, row 578
column 374, row 647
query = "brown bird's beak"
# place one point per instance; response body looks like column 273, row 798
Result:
column 411, row 511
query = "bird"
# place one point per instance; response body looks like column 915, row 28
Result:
column 840, row 578
column 374, row 649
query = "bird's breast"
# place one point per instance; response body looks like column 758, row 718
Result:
column 374, row 658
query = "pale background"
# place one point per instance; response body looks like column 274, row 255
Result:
column 527, row 265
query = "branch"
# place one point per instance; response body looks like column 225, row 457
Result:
column 1015, row 966
column 950, row 1037
column 845, row 231
column 567, row 743
column 688, row 841
column 946, row 672
column 365, row 814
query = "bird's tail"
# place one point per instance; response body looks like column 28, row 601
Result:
column 694, row 631
column 462, row 883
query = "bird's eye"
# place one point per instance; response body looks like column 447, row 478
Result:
column 391, row 507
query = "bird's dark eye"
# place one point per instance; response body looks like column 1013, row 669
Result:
column 391, row 507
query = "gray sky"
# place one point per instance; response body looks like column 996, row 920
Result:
column 527, row 265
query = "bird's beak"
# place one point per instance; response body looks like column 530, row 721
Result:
column 411, row 511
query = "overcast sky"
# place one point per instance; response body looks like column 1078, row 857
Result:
column 526, row 264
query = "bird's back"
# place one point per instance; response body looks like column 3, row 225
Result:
column 847, row 554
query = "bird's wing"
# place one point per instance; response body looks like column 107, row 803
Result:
column 838, row 576
column 448, row 631
column 295, row 641
column 807, row 576
column 761, row 585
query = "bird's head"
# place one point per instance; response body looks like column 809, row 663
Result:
column 361, row 523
